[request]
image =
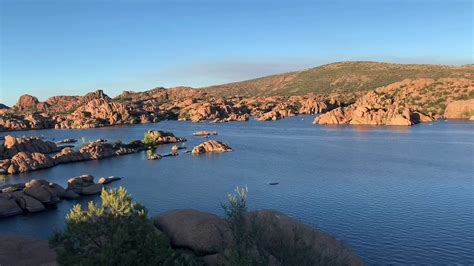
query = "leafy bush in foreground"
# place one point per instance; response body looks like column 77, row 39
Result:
column 116, row 233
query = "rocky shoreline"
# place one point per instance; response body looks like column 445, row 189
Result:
column 403, row 103
column 206, row 237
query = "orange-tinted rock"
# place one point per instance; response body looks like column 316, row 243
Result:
column 26, row 102
column 24, row 162
column 460, row 109
column 68, row 155
column 13, row 145
column 315, row 105
column 337, row 116
column 210, row 147
column 98, row 150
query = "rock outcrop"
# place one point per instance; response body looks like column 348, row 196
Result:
column 84, row 185
column 24, row 162
column 14, row 121
column 34, row 195
column 8, row 206
column 337, row 116
column 204, row 233
column 68, row 155
column 463, row 109
column 317, row 105
column 108, row 180
column 216, row 110
column 99, row 112
column 405, row 103
column 212, row 146
column 27, row 203
column 276, row 237
column 26, row 102
column 13, row 145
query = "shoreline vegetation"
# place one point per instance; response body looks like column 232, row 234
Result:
column 357, row 93
column 119, row 232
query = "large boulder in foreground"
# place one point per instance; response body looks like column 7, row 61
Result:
column 210, row 147
column 204, row 233
column 272, row 237
column 289, row 242
column 460, row 110
column 20, row 250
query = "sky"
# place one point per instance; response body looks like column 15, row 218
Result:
column 72, row 47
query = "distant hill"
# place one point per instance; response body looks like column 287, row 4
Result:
column 338, row 77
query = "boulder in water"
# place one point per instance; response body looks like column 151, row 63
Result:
column 26, row 202
column 84, row 185
column 210, row 147
column 108, row 180
column 8, row 206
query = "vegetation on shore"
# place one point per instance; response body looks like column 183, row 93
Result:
column 118, row 232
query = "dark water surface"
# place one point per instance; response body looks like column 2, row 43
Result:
column 394, row 195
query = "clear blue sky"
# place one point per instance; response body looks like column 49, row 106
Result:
column 72, row 47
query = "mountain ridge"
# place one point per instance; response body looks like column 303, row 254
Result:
column 344, row 76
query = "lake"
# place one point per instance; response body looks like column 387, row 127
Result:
column 393, row 194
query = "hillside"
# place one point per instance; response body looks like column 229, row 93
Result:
column 338, row 77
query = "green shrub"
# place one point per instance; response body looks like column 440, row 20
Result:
column 148, row 139
column 116, row 233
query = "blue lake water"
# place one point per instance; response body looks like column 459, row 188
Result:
column 394, row 195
